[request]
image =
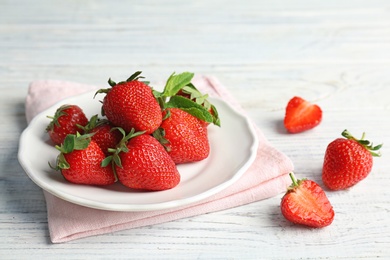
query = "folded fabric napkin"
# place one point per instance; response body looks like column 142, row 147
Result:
column 266, row 177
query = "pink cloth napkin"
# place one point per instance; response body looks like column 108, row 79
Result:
column 266, row 177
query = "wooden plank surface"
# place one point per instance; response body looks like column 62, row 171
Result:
column 334, row 53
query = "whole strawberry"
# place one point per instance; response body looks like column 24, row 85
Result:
column 184, row 136
column 306, row 203
column 141, row 162
column 80, row 161
column 103, row 133
column 131, row 104
column 66, row 120
column 347, row 161
column 301, row 115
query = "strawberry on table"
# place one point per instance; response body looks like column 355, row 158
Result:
column 141, row 162
column 131, row 104
column 184, row 136
column 80, row 161
column 66, row 120
column 306, row 203
column 347, row 161
column 301, row 115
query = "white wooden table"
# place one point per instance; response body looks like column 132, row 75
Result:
column 335, row 53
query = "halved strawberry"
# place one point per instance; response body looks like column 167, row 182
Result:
column 301, row 115
column 305, row 203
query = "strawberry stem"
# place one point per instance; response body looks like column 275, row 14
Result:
column 294, row 180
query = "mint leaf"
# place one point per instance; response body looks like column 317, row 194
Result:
column 177, row 82
column 202, row 114
column 215, row 115
column 190, row 107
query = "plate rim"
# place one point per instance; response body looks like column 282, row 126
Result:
column 175, row 203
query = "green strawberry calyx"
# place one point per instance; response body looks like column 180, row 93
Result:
column 54, row 119
column 93, row 122
column 72, row 142
column 114, row 158
column 295, row 183
column 159, row 134
column 374, row 150
column 134, row 77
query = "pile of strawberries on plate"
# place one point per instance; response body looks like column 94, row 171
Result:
column 140, row 136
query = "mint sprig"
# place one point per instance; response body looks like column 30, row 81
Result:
column 176, row 82
column 196, row 104
column 190, row 107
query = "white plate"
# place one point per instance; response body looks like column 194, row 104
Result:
column 233, row 148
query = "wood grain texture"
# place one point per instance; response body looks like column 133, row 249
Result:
column 334, row 53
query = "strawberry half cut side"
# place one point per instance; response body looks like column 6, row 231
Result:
column 301, row 115
column 306, row 203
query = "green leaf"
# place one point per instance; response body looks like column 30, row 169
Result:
column 82, row 141
column 111, row 82
column 376, row 148
column 117, row 160
column 135, row 76
column 190, row 107
column 62, row 163
column 215, row 116
column 106, row 161
column 156, row 94
column 177, row 82
column 202, row 114
column 159, row 134
column 194, row 93
column 69, row 143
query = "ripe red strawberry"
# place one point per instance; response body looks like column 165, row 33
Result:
column 184, row 136
column 80, row 161
column 347, row 161
column 306, row 203
column 131, row 104
column 66, row 120
column 141, row 162
column 103, row 133
column 301, row 115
